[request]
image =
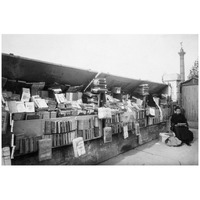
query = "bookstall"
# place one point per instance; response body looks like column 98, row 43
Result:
column 53, row 114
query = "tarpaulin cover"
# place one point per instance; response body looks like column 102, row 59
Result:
column 31, row 70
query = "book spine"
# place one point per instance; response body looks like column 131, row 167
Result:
column 31, row 144
column 48, row 127
column 21, row 146
column 53, row 127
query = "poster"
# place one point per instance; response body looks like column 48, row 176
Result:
column 25, row 95
column 107, row 134
column 125, row 131
column 78, row 146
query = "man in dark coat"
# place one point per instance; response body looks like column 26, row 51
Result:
column 179, row 126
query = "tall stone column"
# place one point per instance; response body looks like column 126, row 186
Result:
column 182, row 73
column 182, row 65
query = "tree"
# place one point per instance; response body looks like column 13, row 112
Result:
column 194, row 72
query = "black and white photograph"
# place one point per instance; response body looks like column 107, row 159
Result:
column 130, row 99
column 99, row 99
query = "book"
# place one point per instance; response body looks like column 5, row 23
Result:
column 60, row 98
column 6, row 160
column 21, row 150
column 54, row 140
column 69, row 137
column 104, row 113
column 36, row 87
column 59, row 127
column 58, row 140
column 5, row 117
column 43, row 94
column 53, row 114
column 53, row 127
column 31, row 143
column 17, row 143
column 5, row 151
column 26, row 145
column 48, row 127
column 64, row 139
column 80, row 125
column 61, row 140
column 20, row 107
column 96, row 122
column 25, row 95
column 37, row 138
column 30, row 107
column 96, row 131
column 45, row 149
column 15, row 97
column 41, row 103
column 30, row 116
column 78, row 147
column 12, row 107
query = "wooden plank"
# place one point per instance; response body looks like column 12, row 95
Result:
column 29, row 127
column 190, row 102
column 36, row 127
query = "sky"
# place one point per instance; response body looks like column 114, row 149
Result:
column 146, row 57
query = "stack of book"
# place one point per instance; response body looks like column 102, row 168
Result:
column 73, row 96
column 51, row 103
column 60, row 126
column 99, row 86
column 143, row 89
column 88, row 128
column 114, row 123
column 37, row 87
column 61, row 139
column 89, row 98
column 26, row 144
column 60, row 132
column 6, row 160
column 40, row 103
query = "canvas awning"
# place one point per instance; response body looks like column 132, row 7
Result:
column 31, row 70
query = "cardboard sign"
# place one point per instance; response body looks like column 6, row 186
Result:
column 107, row 134
column 104, row 113
column 125, row 131
column 78, row 146
column 45, row 149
